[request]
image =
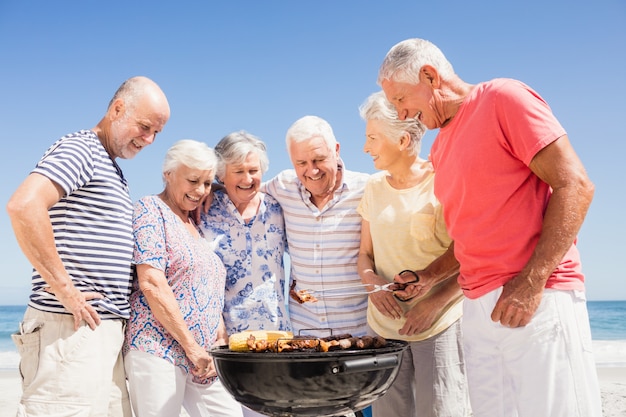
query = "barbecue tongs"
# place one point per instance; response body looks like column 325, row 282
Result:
column 360, row 289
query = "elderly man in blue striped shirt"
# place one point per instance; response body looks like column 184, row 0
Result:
column 319, row 198
column 72, row 217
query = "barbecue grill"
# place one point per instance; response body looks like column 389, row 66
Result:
column 309, row 383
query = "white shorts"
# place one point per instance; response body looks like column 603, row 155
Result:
column 159, row 388
column 546, row 368
column 71, row 373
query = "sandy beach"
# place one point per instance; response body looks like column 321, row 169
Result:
column 612, row 384
column 613, row 388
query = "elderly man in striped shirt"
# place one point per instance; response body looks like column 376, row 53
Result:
column 72, row 217
column 319, row 198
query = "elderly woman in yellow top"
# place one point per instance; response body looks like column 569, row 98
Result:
column 403, row 236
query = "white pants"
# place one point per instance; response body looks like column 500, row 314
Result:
column 67, row 372
column 543, row 369
column 159, row 389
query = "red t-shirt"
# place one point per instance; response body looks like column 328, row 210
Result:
column 493, row 203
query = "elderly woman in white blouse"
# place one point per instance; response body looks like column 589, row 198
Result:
column 248, row 232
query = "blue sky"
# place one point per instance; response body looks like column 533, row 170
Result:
column 260, row 65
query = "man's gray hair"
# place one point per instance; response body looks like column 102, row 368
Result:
column 309, row 127
column 405, row 59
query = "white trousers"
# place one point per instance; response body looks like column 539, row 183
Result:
column 159, row 389
column 546, row 368
column 71, row 373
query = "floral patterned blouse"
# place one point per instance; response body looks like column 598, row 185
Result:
column 194, row 273
column 253, row 255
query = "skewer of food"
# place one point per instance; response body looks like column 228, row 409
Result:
column 278, row 341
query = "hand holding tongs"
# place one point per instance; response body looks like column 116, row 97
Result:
column 348, row 290
column 360, row 289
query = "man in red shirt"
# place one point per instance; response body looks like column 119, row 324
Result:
column 514, row 194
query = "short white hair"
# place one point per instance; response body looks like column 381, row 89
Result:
column 377, row 107
column 190, row 153
column 235, row 147
column 309, row 127
column 405, row 59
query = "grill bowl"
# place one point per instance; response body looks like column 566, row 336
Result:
column 309, row 383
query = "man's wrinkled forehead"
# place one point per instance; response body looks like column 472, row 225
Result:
column 316, row 147
column 393, row 91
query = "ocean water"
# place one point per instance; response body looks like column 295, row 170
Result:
column 607, row 318
column 10, row 316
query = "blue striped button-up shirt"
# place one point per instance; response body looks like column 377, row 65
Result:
column 323, row 249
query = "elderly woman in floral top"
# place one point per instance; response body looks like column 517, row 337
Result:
column 177, row 297
column 248, row 232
